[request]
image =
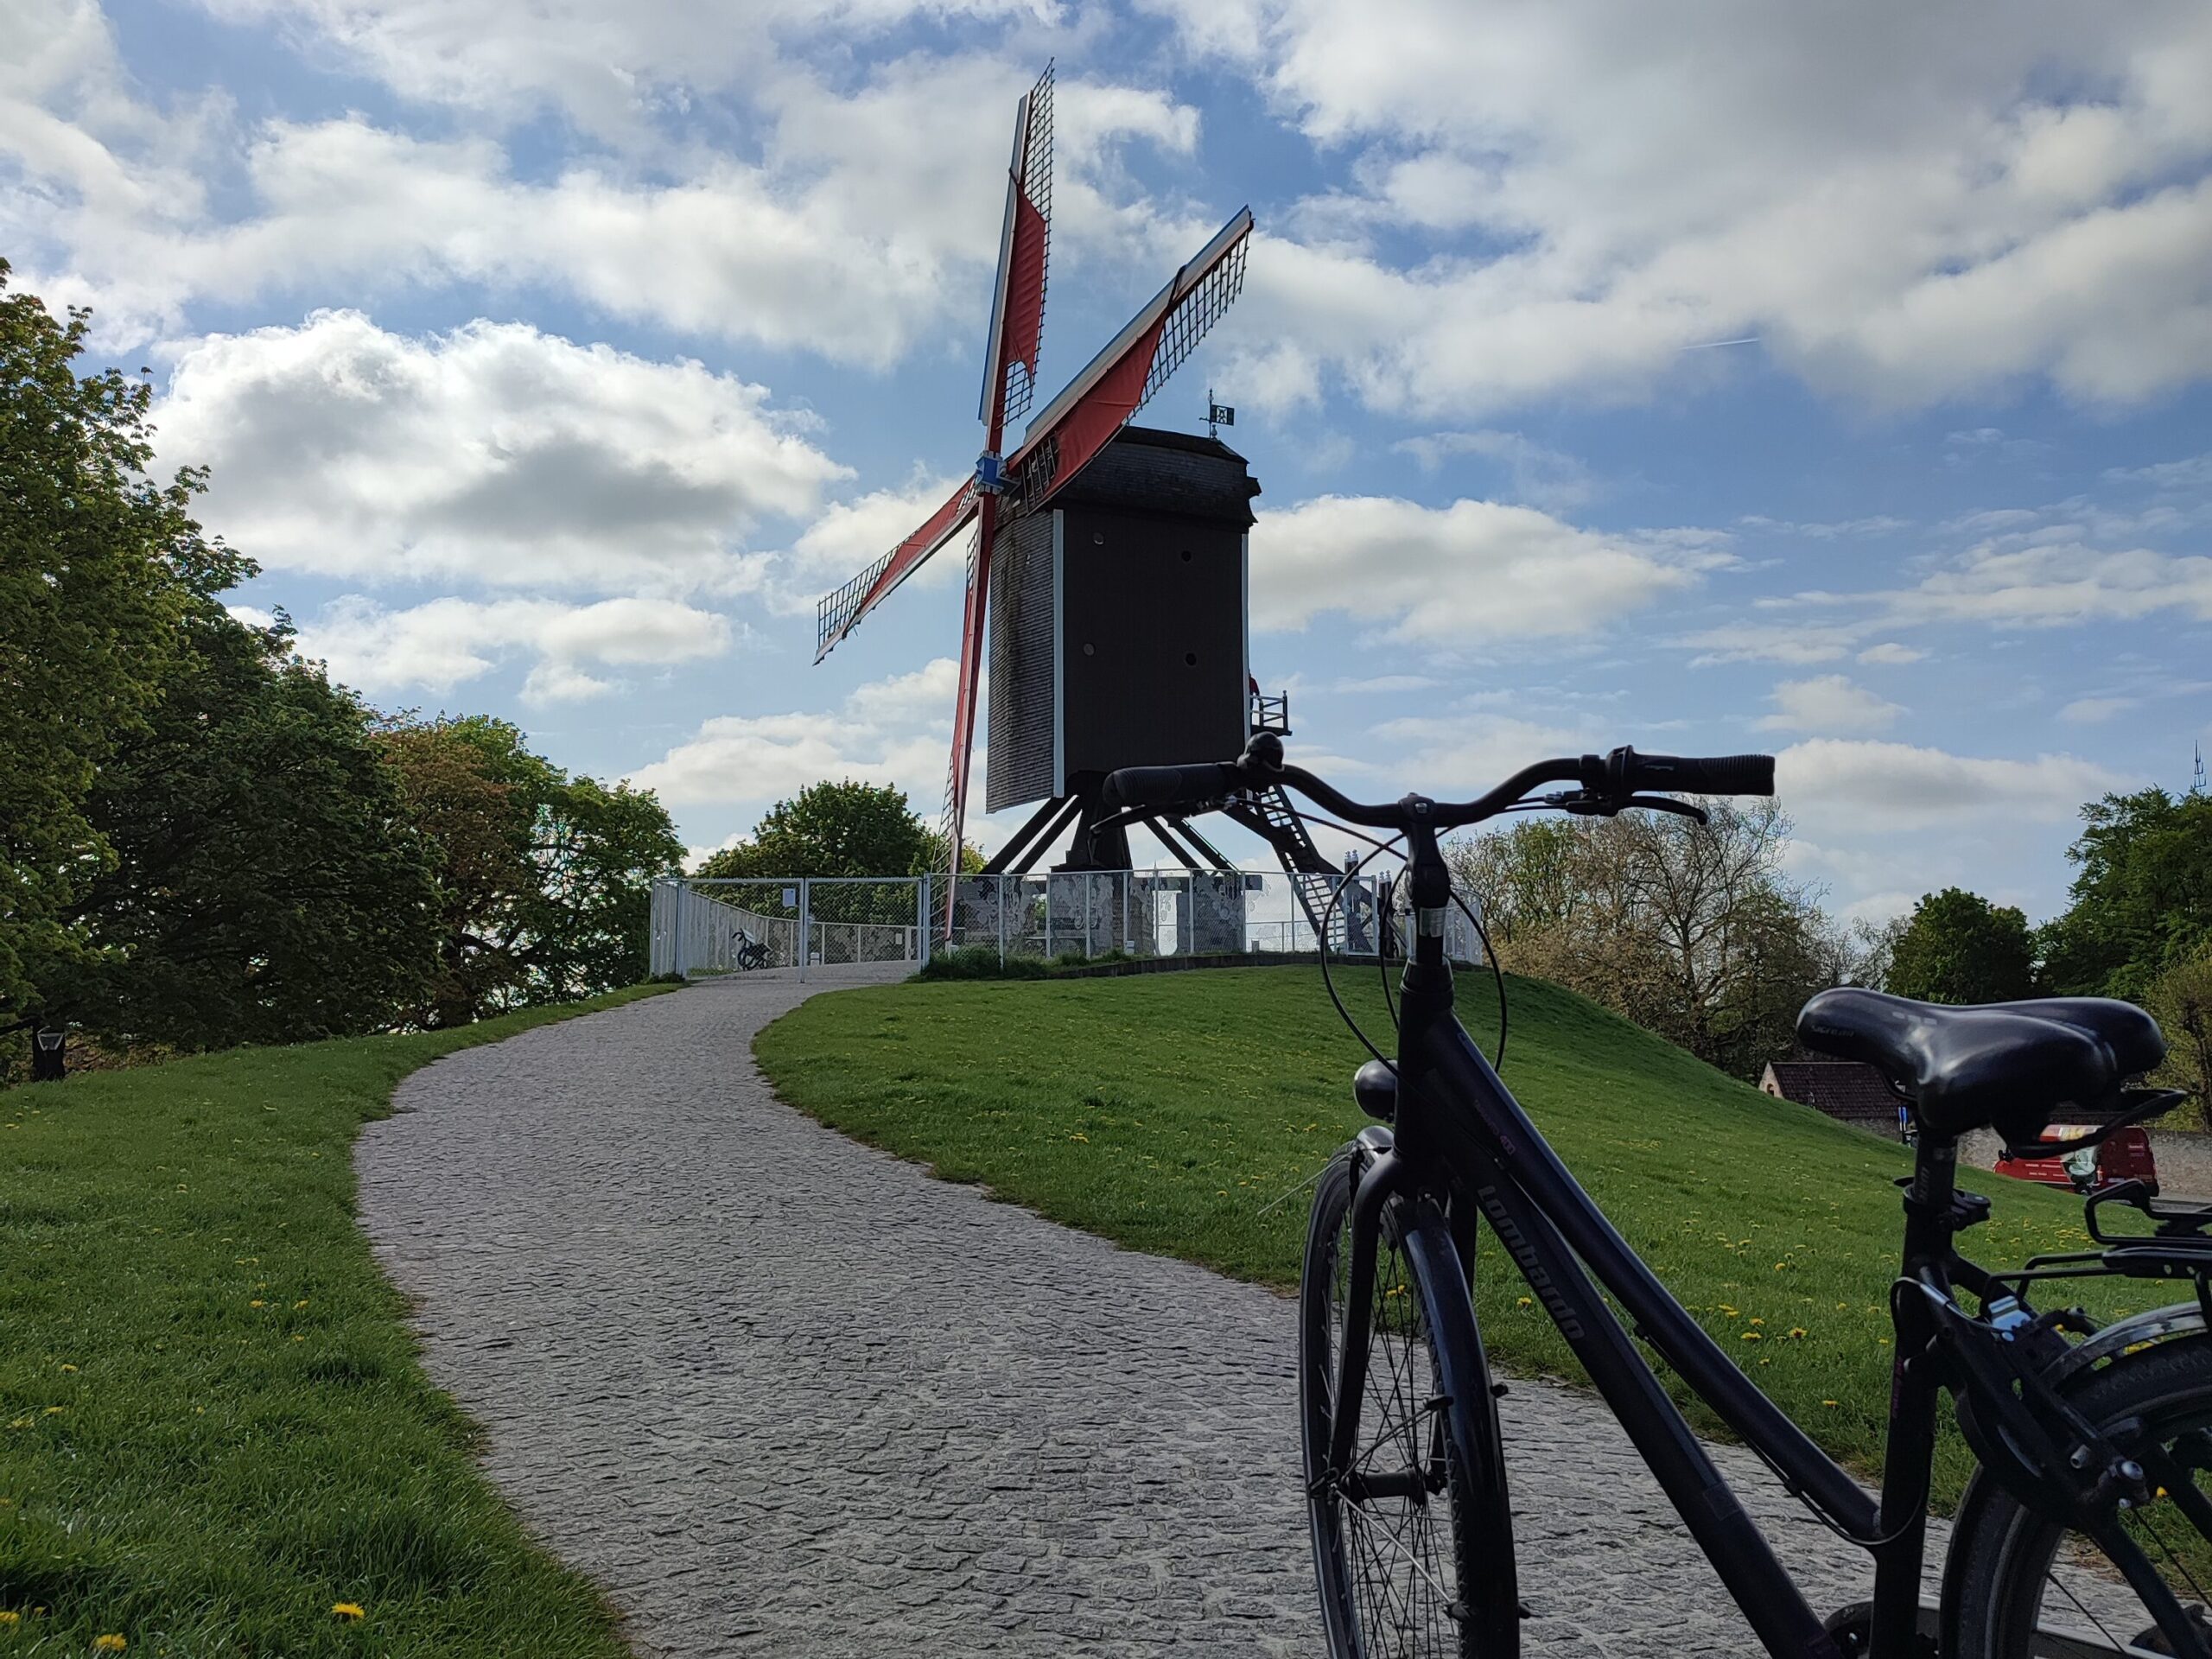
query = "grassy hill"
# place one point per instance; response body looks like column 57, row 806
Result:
column 214, row 1434
column 1180, row 1113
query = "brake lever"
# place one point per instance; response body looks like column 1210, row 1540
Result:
column 1591, row 803
column 1669, row 803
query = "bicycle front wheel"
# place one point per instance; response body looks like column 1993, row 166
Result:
column 1413, row 1546
column 2019, row 1584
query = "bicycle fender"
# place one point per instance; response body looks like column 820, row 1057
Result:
column 2137, row 1331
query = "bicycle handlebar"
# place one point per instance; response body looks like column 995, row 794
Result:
column 1608, row 777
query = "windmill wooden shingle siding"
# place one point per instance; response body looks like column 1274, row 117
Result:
column 1118, row 636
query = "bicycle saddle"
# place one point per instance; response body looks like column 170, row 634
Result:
column 2008, row 1064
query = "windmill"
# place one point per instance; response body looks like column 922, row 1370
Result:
column 1073, row 430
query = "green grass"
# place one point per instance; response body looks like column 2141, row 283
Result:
column 1175, row 1112
column 213, row 1427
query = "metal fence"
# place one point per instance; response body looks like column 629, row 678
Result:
column 710, row 927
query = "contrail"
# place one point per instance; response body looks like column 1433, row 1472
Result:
column 1707, row 345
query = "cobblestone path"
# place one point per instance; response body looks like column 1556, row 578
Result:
column 784, row 1394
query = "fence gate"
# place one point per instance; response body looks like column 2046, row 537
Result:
column 805, row 926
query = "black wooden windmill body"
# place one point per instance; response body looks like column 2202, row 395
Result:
column 1112, row 556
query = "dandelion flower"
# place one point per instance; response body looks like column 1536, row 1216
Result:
column 257, row 1302
column 69, row 1370
column 348, row 1609
column 1751, row 1336
column 1525, row 1301
column 1080, row 1136
column 1828, row 1402
column 1799, row 1331
column 109, row 1644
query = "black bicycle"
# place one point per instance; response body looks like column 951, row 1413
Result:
column 2087, row 1528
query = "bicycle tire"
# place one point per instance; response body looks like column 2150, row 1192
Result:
column 1999, row 1577
column 1392, row 1587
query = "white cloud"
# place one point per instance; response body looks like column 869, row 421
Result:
column 438, row 645
column 1470, row 753
column 1541, row 476
column 1784, row 640
column 494, row 453
column 1475, row 571
column 1900, row 203
column 1830, row 702
column 895, row 731
column 854, row 219
column 2092, row 711
column 1834, row 785
column 609, row 67
column 1890, row 651
column 2059, row 584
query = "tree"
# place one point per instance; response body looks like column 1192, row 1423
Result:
column 1958, row 947
column 1692, row 931
column 264, row 887
column 97, row 563
column 842, row 828
column 2180, row 999
column 2142, row 895
column 544, row 881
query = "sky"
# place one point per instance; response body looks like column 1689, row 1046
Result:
column 1829, row 380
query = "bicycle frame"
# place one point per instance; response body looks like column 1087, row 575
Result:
column 1459, row 1133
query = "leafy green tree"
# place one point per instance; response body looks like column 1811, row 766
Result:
column 263, row 887
column 544, row 881
column 2180, row 999
column 97, row 563
column 841, row 829
column 1958, row 947
column 1693, row 931
column 2142, row 894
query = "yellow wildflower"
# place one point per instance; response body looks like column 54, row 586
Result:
column 257, row 1302
column 109, row 1644
column 1757, row 1320
column 8, row 1615
column 348, row 1609
column 1828, row 1402
column 1525, row 1301
column 55, row 1410
column 1751, row 1336
column 302, row 1302
column 1080, row 1136
column 1799, row 1331
column 69, row 1370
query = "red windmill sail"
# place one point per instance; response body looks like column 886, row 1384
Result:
column 1061, row 441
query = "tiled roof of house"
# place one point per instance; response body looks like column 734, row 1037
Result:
column 1849, row 1089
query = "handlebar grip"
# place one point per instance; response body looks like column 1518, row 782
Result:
column 1722, row 774
column 1170, row 786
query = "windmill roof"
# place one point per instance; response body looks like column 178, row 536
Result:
column 1161, row 438
column 1179, row 474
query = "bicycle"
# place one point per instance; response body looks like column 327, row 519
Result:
column 2081, row 1433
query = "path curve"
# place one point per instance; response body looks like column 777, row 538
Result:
column 782, row 1394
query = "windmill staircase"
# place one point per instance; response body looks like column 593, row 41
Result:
column 1268, row 814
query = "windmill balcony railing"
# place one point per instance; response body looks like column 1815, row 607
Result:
column 871, row 926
